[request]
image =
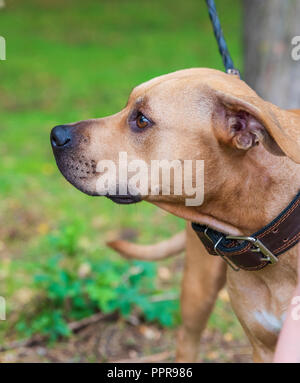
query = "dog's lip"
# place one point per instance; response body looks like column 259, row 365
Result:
column 125, row 199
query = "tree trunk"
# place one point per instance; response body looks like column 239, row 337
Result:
column 269, row 26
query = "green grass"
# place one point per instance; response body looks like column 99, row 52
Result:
column 74, row 60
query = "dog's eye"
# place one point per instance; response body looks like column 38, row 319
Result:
column 142, row 121
column 138, row 122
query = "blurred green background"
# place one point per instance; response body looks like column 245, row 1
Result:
column 68, row 61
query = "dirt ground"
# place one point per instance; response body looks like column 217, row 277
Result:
column 121, row 341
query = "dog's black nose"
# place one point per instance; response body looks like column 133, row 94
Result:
column 60, row 135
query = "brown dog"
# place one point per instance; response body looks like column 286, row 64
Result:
column 250, row 150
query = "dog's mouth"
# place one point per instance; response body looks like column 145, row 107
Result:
column 79, row 168
column 125, row 199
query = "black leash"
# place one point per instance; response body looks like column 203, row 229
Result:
column 223, row 49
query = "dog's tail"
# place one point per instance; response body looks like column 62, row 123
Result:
column 161, row 250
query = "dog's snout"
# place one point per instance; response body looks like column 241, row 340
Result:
column 60, row 135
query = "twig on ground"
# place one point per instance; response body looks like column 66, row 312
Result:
column 73, row 326
column 155, row 358
column 78, row 325
column 164, row 297
column 33, row 341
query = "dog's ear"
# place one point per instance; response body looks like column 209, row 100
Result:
column 243, row 121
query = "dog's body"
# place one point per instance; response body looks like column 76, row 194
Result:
column 208, row 115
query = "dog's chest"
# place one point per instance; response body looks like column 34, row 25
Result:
column 260, row 299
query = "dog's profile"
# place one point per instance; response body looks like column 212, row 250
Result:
column 251, row 152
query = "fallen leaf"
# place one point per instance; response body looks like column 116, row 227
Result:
column 228, row 337
column 43, row 228
column 164, row 273
column 223, row 295
column 84, row 270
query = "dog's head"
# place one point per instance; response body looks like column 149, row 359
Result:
column 194, row 114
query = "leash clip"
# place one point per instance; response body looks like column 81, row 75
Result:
column 234, row 72
column 258, row 247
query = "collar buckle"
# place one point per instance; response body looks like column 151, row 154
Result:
column 258, row 247
column 226, row 259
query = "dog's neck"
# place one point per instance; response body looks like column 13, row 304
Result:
column 253, row 191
